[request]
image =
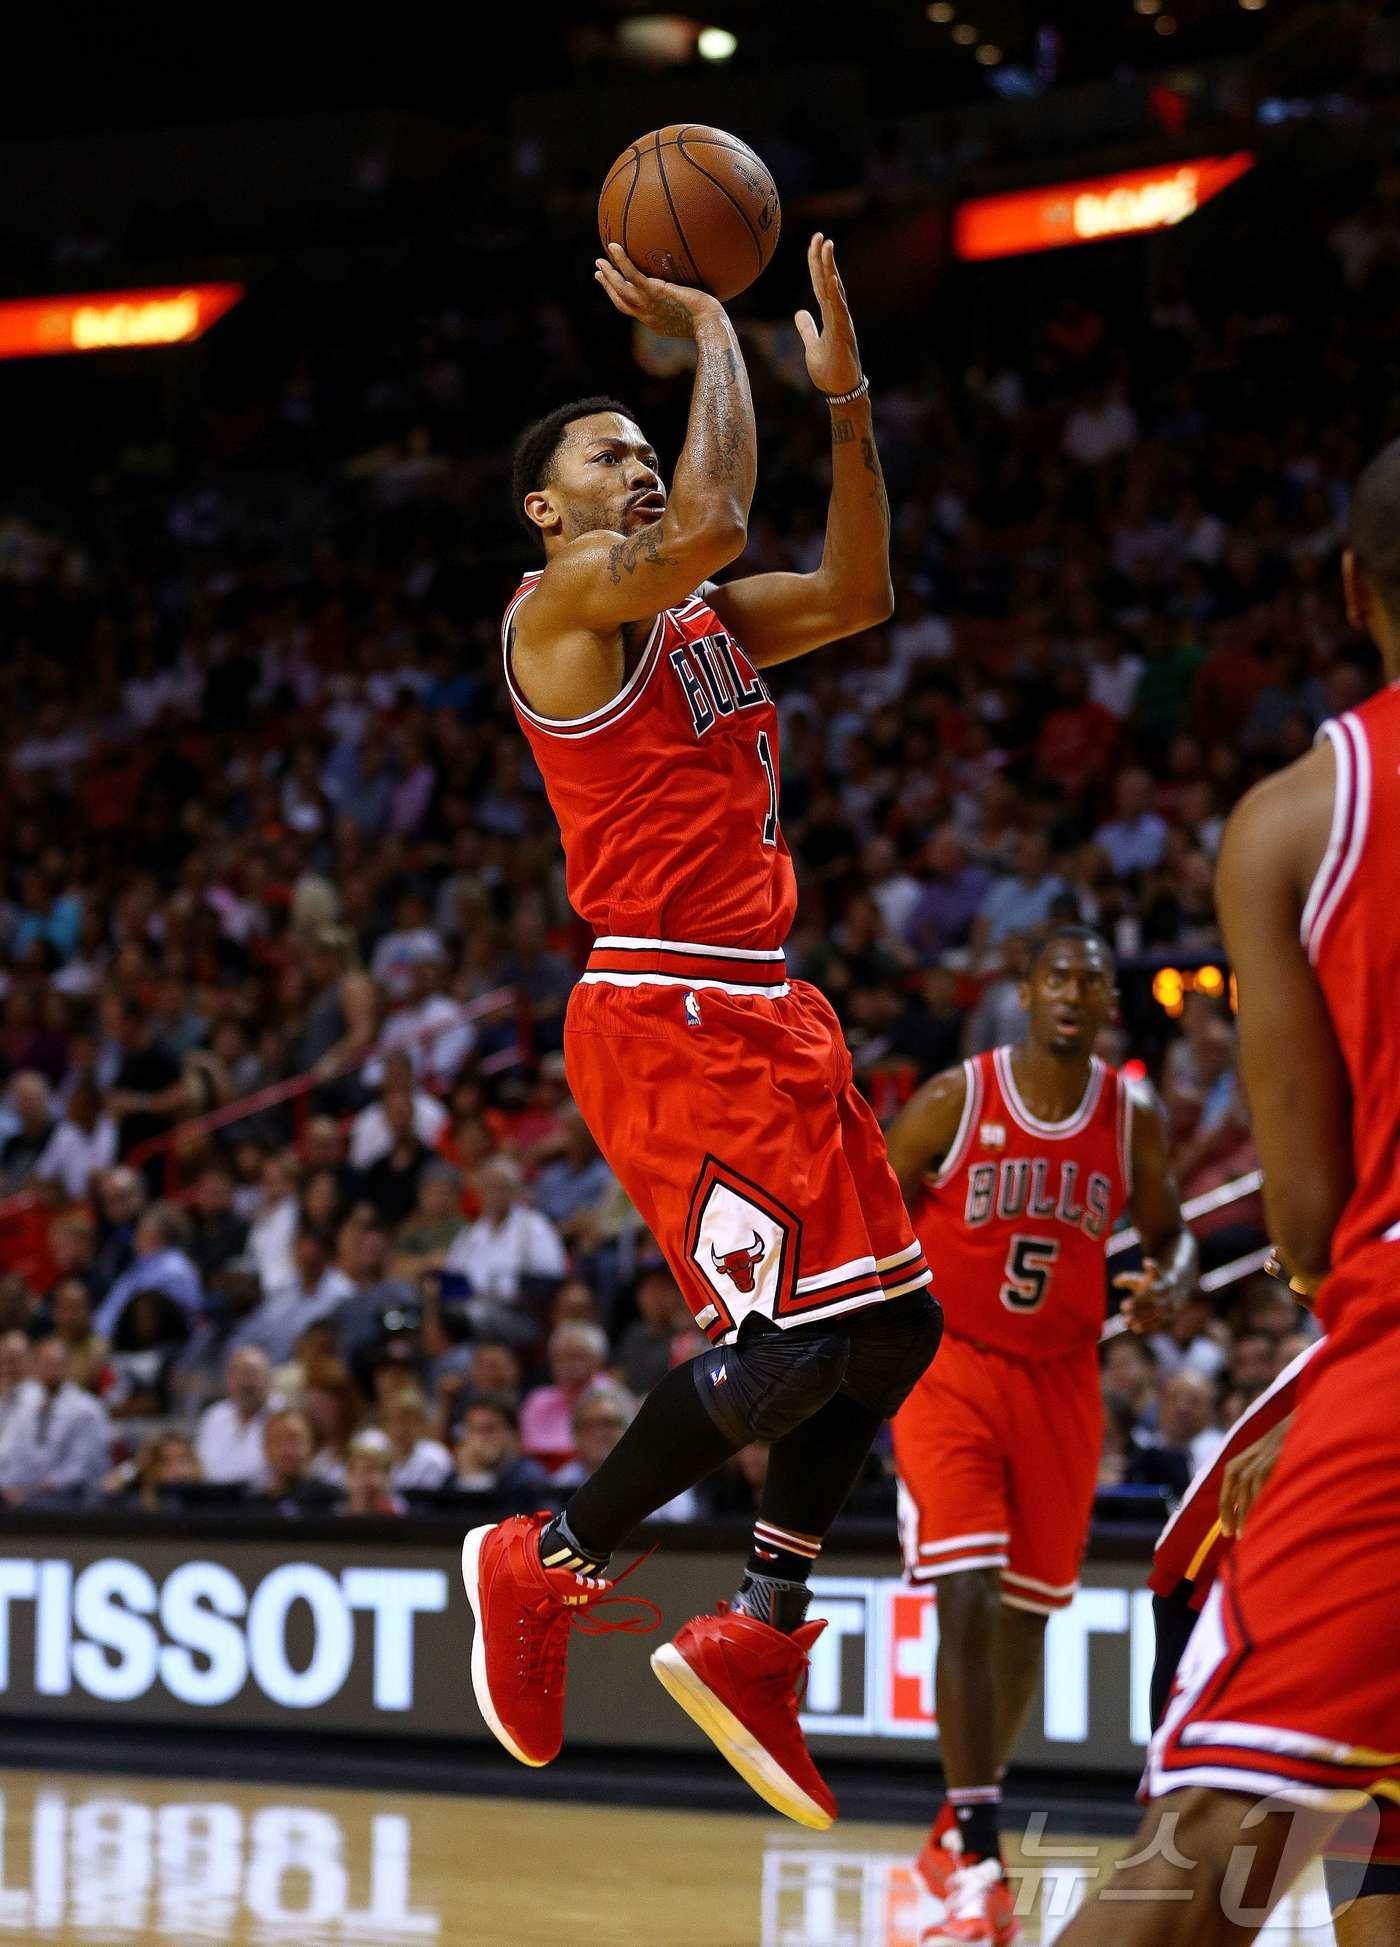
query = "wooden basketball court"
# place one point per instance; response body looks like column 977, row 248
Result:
column 136, row 1861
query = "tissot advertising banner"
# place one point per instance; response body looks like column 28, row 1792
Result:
column 366, row 1639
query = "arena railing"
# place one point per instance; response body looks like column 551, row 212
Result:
column 297, row 1091
column 1237, row 1190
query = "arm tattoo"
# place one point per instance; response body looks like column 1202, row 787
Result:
column 643, row 547
column 872, row 466
column 721, row 372
column 842, row 432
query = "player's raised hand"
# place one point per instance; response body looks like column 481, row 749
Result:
column 670, row 310
column 1145, row 1303
column 833, row 357
column 1245, row 1477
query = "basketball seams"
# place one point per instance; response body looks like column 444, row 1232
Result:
column 681, row 236
column 728, row 196
column 631, row 191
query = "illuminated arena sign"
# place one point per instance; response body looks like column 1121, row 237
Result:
column 1123, row 205
column 98, row 321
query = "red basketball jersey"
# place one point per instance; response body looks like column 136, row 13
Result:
column 667, row 797
column 1351, row 929
column 1016, row 1221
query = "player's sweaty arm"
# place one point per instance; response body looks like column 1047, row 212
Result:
column 1293, row 1073
column 780, row 616
column 1168, row 1249
column 925, row 1129
column 602, row 580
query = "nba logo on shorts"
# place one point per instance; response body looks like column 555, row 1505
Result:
column 692, row 1009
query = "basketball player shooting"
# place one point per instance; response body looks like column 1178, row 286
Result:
column 1285, row 1715
column 1017, row 1165
column 719, row 1090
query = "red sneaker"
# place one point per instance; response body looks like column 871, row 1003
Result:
column 979, row 1910
column 737, row 1678
column 525, row 1613
column 942, row 1853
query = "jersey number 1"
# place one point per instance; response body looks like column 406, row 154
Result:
column 765, row 758
column 1029, row 1263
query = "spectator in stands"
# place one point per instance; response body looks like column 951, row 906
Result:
column 29, row 1137
column 69, row 1317
column 14, row 1367
column 648, row 1347
column 362, row 1254
column 738, row 1486
column 229, row 1436
column 148, row 1093
column 391, row 1181
column 370, row 1134
column 496, row 1369
column 73, row 1252
column 1135, row 838
column 159, row 1263
column 574, row 1190
column 423, row 1239
column 1128, row 1375
column 954, row 889
column 340, row 1021
column 602, row 1414
column 1251, row 1363
column 315, row 1292
column 274, row 1226
column 1020, row 902
column 166, row 1463
column 1185, row 1419
column 577, row 1355
column 57, row 1446
column 543, row 978
column 285, row 1482
column 332, row 1404
column 121, row 1197
column 1187, row 1342
column 367, row 1471
column 419, row 1461
column 83, row 1143
column 488, row 1457
column 509, row 1244
column 217, row 1232
column 431, row 1028
column 146, row 1339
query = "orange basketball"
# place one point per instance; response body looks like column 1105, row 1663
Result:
column 692, row 205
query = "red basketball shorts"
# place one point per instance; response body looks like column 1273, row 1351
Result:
column 1291, row 1680
column 998, row 1462
column 721, row 1096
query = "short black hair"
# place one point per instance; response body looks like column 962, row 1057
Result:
column 1373, row 524
column 1087, row 935
column 537, row 445
column 501, row 1403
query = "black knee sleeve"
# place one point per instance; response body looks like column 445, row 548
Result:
column 770, row 1382
column 891, row 1347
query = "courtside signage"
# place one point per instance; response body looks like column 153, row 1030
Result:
column 1093, row 208
column 100, row 321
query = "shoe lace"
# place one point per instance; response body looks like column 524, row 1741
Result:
column 969, row 1887
column 544, row 1648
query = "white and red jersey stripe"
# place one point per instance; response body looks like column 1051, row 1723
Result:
column 1351, row 930
column 667, row 799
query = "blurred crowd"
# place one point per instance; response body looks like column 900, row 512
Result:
column 296, row 1207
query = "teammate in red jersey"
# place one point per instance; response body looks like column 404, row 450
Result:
column 719, row 1090
column 1363, row 1855
column 1286, row 1711
column 1035, row 1152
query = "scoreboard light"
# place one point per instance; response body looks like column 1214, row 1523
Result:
column 1171, row 985
column 1125, row 205
column 97, row 321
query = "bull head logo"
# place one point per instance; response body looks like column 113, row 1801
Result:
column 740, row 1265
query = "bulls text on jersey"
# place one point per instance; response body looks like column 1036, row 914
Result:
column 713, row 685
column 1037, row 1187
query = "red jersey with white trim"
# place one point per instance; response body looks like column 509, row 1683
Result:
column 667, row 797
column 1193, row 1546
column 1018, row 1217
column 1351, row 930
